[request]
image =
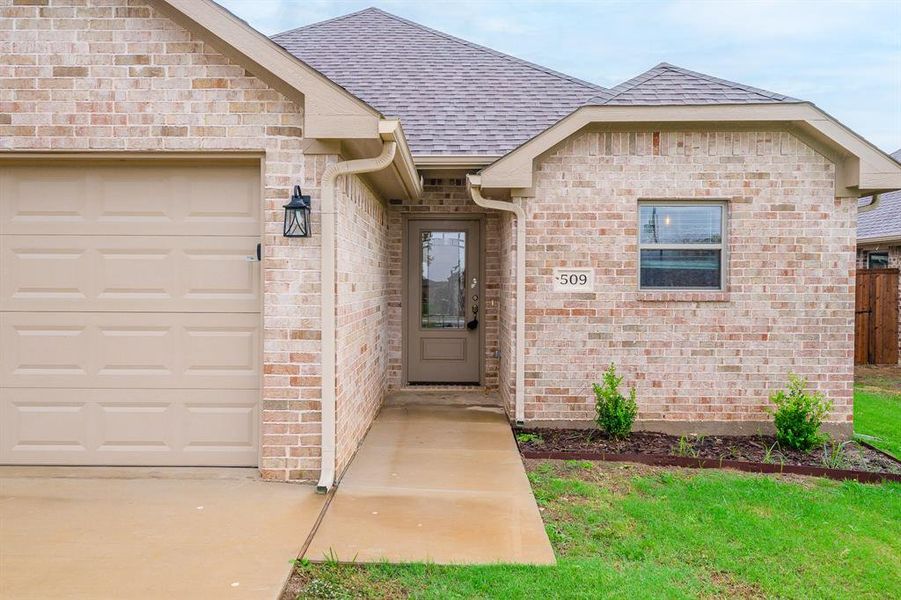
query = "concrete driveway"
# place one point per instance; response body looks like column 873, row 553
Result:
column 149, row 533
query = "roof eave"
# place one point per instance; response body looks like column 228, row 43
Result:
column 329, row 111
column 441, row 162
column 881, row 239
column 861, row 168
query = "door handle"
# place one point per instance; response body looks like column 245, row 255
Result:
column 474, row 323
column 258, row 257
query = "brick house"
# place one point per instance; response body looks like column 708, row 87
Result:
column 879, row 235
column 476, row 220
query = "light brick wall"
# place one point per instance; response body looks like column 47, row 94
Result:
column 507, row 312
column 894, row 262
column 446, row 195
column 362, row 314
column 117, row 75
column 694, row 357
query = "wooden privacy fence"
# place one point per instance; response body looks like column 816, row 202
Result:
column 876, row 321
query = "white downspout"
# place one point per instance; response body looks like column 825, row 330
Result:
column 327, row 292
column 475, row 190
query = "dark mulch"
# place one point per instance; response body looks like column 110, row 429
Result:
column 726, row 447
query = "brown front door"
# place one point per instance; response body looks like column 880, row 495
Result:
column 443, row 294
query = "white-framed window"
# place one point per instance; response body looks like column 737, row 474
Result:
column 681, row 245
column 877, row 260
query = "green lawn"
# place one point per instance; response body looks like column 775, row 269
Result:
column 624, row 531
column 877, row 418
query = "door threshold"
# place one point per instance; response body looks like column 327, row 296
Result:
column 460, row 396
column 443, row 387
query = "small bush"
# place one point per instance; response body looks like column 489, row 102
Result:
column 615, row 412
column 798, row 415
column 525, row 438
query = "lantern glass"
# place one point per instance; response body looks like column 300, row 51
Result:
column 297, row 215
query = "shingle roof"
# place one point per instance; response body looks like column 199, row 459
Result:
column 885, row 219
column 452, row 96
column 456, row 97
column 669, row 84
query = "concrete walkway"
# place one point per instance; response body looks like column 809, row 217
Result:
column 441, row 484
column 119, row 533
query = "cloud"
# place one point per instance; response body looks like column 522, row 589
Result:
column 767, row 18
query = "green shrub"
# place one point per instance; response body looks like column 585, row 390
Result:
column 615, row 412
column 525, row 438
column 798, row 415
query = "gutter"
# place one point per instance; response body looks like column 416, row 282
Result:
column 327, row 270
column 474, row 183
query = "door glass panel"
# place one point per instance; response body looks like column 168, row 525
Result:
column 443, row 279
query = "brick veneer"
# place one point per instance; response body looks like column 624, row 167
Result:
column 362, row 314
column 108, row 75
column 698, row 360
column 507, row 313
column 443, row 195
column 894, row 262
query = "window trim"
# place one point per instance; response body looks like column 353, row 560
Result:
column 881, row 253
column 723, row 246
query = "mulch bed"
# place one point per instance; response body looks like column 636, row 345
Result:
column 748, row 453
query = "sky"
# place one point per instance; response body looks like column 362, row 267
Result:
column 844, row 56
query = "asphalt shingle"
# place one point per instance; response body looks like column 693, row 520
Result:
column 456, row 97
column 668, row 84
column 453, row 96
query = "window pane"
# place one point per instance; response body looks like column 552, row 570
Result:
column 443, row 272
column 877, row 260
column 681, row 224
column 680, row 268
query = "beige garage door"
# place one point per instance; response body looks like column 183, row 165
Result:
column 129, row 313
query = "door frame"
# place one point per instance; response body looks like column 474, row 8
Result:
column 479, row 218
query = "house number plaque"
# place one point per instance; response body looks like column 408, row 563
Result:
column 573, row 280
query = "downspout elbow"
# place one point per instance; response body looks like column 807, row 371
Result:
column 328, row 210
column 877, row 198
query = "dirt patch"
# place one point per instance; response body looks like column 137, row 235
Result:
column 311, row 581
column 615, row 477
column 735, row 588
column 886, row 378
column 755, row 449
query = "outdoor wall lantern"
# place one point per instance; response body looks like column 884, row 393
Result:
column 297, row 215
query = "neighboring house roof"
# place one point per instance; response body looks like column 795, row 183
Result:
column 668, row 84
column 883, row 221
column 453, row 96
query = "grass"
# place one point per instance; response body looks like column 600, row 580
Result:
column 625, row 531
column 877, row 418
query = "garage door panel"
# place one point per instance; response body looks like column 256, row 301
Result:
column 119, row 199
column 119, row 273
column 129, row 312
column 129, row 426
column 140, row 350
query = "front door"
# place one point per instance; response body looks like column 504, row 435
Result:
column 443, row 299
